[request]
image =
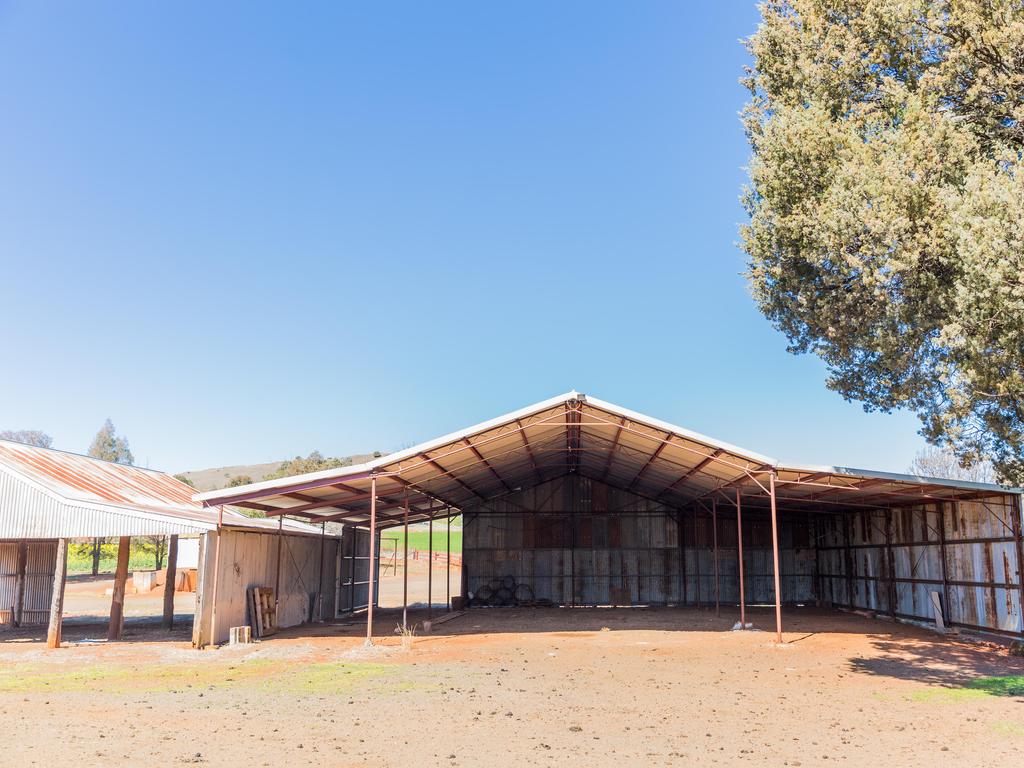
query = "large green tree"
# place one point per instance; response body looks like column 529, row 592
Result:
column 886, row 204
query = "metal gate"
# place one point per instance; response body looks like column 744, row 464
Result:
column 353, row 583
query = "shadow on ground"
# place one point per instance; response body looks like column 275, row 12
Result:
column 946, row 661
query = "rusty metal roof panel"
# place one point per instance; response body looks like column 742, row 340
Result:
column 84, row 478
column 52, row 494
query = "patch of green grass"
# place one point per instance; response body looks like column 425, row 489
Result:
column 1010, row 685
column 262, row 674
column 946, row 695
column 979, row 688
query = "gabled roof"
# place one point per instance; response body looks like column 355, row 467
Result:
column 575, row 433
column 46, row 493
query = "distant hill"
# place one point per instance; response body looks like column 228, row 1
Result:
column 218, row 477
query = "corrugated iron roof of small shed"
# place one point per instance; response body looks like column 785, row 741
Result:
column 85, row 478
column 103, row 484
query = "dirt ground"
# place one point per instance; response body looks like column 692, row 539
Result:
column 545, row 687
column 86, row 597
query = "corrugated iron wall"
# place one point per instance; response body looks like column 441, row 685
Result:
column 891, row 560
column 28, row 512
column 576, row 541
column 36, row 560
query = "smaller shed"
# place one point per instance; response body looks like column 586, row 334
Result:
column 49, row 498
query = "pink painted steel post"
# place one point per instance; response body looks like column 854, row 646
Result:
column 739, row 540
column 405, row 563
column 430, row 568
column 775, row 559
column 448, row 565
column 373, row 559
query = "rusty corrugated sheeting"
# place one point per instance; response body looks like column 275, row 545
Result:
column 48, row 494
column 892, row 560
column 40, row 559
column 8, row 579
column 576, row 541
column 88, row 479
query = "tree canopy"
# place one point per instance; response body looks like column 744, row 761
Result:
column 312, row 463
column 886, row 205
column 110, row 446
column 27, row 436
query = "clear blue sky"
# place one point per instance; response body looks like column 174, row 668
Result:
column 244, row 231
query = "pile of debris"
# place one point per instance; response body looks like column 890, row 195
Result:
column 505, row 593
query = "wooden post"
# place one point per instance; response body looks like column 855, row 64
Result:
column 19, row 587
column 373, row 559
column 216, row 576
column 775, row 560
column 116, row 626
column 739, row 542
column 714, row 529
column 60, row 577
column 171, row 577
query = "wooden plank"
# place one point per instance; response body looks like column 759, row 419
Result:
column 116, row 627
column 60, row 577
column 171, row 577
column 200, row 621
column 254, row 612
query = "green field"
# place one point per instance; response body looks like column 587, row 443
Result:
column 419, row 536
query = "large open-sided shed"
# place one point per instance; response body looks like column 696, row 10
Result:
column 49, row 498
column 588, row 503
